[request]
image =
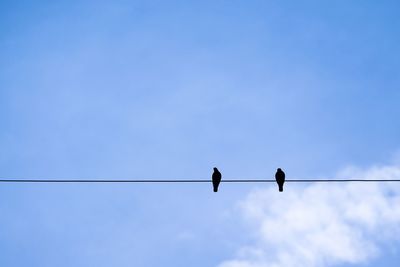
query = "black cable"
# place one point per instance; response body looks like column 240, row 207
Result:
column 191, row 181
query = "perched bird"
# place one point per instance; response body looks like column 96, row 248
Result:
column 216, row 179
column 280, row 179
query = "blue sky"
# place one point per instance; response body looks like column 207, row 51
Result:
column 155, row 89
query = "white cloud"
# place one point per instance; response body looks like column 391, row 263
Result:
column 321, row 224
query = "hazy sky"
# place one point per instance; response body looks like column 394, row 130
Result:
column 170, row 89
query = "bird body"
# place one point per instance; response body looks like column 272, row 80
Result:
column 280, row 179
column 216, row 179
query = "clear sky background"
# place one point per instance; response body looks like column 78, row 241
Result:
column 170, row 89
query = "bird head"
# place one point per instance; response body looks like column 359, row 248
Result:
column 279, row 170
column 215, row 169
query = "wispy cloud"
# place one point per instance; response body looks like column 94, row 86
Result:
column 321, row 224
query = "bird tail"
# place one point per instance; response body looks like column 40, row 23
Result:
column 281, row 188
column 215, row 188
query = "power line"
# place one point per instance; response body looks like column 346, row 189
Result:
column 192, row 180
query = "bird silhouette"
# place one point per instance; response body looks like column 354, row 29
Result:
column 280, row 178
column 216, row 179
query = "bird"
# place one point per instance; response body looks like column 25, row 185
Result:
column 216, row 179
column 280, row 178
